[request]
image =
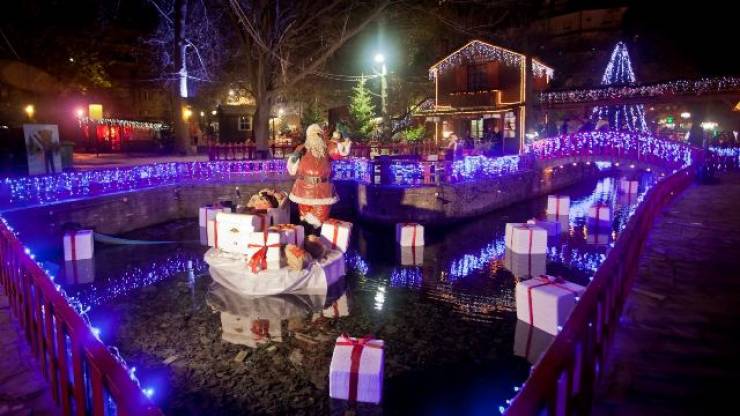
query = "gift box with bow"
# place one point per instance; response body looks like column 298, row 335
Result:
column 546, row 302
column 264, row 251
column 410, row 234
column 78, row 245
column 335, row 234
column 356, row 370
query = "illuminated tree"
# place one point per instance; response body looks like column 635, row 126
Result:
column 619, row 72
column 361, row 121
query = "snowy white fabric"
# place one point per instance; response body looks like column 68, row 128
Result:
column 314, row 201
column 233, row 272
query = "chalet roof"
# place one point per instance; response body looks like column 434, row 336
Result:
column 478, row 51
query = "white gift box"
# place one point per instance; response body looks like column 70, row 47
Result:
column 628, row 187
column 525, row 265
column 289, row 233
column 508, row 234
column 553, row 228
column 600, row 214
column 558, row 205
column 530, row 342
column 208, row 213
column 281, row 214
column 79, row 272
column 550, row 300
column 410, row 234
column 411, row 256
column 78, row 245
column 263, row 251
column 335, row 234
column 230, row 232
column 359, row 380
column 528, row 239
column 563, row 220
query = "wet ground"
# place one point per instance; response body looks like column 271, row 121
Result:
column 452, row 341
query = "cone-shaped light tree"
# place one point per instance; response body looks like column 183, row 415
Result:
column 619, row 72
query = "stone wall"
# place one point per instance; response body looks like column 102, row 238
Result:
column 452, row 202
column 123, row 212
column 119, row 213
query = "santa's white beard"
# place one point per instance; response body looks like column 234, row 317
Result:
column 316, row 146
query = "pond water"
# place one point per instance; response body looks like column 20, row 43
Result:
column 452, row 340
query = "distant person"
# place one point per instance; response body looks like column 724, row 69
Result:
column 454, row 146
column 564, row 127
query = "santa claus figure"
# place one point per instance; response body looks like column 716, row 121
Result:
column 311, row 164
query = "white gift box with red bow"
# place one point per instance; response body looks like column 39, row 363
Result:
column 335, row 234
column 78, row 245
column 546, row 302
column 528, row 239
column 410, row 234
column 290, row 233
column 264, row 251
column 356, row 370
column 600, row 215
column 230, row 232
column 208, row 213
column 558, row 205
column 628, row 187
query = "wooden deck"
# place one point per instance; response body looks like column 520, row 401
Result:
column 677, row 348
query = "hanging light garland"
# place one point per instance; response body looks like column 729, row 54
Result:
column 698, row 87
column 124, row 123
column 479, row 52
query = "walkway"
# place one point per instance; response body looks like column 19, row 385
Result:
column 676, row 350
column 23, row 389
column 118, row 160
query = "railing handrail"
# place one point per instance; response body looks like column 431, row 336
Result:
column 621, row 263
column 104, row 368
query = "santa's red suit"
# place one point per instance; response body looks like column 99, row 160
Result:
column 313, row 190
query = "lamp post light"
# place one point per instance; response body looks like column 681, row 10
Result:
column 30, row 110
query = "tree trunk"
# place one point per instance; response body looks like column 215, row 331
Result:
column 182, row 139
column 261, row 122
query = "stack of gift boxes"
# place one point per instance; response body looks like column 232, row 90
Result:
column 253, row 236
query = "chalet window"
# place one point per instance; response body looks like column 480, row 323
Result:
column 245, row 123
column 477, row 77
column 476, row 128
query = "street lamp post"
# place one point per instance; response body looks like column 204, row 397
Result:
column 380, row 59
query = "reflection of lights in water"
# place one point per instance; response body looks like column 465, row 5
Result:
column 140, row 276
column 410, row 277
column 470, row 263
column 356, row 263
column 603, row 165
column 380, row 298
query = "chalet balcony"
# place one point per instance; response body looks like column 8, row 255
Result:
column 489, row 98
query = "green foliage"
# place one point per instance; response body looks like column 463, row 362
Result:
column 361, row 123
column 312, row 114
column 414, row 133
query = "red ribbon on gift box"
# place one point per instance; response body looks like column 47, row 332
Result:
column 258, row 261
column 335, row 236
column 413, row 233
column 358, row 345
column 546, row 281
column 73, row 243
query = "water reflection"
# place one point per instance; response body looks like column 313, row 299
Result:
column 254, row 320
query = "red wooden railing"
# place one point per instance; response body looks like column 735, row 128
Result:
column 241, row 151
column 562, row 381
column 85, row 378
